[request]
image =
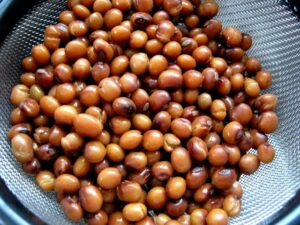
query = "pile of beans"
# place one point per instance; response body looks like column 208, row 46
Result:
column 143, row 111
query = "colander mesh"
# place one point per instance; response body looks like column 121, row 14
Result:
column 276, row 35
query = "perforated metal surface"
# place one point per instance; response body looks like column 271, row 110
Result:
column 276, row 34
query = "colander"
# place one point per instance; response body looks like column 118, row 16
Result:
column 271, row 195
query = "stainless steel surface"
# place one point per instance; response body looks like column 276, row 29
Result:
column 276, row 34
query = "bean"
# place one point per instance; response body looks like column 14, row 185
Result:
column 22, row 147
column 98, row 218
column 72, row 208
column 248, row 163
column 175, row 187
column 224, row 178
column 136, row 160
column 146, row 221
column 62, row 165
column 32, row 167
column 265, row 153
column 90, row 198
column 140, row 177
column 162, row 170
column 117, row 218
column 45, row 180
column 67, row 183
column 181, row 160
column 217, row 216
column 232, row 205
column 131, row 139
column 267, row 122
column 153, row 140
column 177, row 208
column 181, row 127
column 129, row 191
column 72, row 142
column 197, row 148
column 134, row 211
column 143, row 6
column 109, row 178
column 81, row 167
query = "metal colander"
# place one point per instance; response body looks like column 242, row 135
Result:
column 276, row 34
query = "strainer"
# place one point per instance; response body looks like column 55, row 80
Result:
column 271, row 195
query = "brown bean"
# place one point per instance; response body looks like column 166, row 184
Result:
column 204, row 101
column 90, row 198
column 197, row 148
column 224, row 178
column 165, row 31
column 131, row 139
column 158, row 99
column 252, row 65
column 55, row 136
column 62, row 165
column 72, row 208
column 65, row 114
column 162, row 121
column 157, row 198
column 72, row 142
column 87, row 125
column 32, row 167
column 264, row 79
column 46, row 153
column 170, row 79
column 67, row 183
column 117, row 218
column 265, row 153
column 233, row 132
column 196, row 177
column 22, row 147
column 109, row 89
column 217, row 216
column 146, row 221
column 176, row 208
column 28, row 79
column 29, row 107
column 139, row 63
column 217, row 156
column 162, row 170
column 29, row 65
column 143, row 6
column 153, row 140
column 175, row 187
column 161, row 219
column 75, row 49
column 109, row 178
column 173, row 7
column 140, row 177
column 103, row 49
column 129, row 191
column 45, row 180
column 98, row 218
column 232, row 205
column 24, row 128
column 181, row 127
column 136, row 160
column 201, row 126
column 134, row 211
column 81, row 167
column 249, row 163
column 211, row 78
column 266, row 102
column 267, row 122
column 181, row 160
column 124, row 106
